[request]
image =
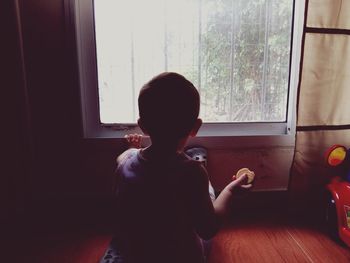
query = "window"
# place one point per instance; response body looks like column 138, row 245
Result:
column 236, row 52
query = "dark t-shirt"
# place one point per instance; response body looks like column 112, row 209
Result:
column 157, row 208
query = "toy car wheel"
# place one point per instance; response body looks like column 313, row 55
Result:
column 332, row 219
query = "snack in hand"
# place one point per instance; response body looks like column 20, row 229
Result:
column 250, row 174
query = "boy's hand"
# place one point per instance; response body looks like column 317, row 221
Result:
column 241, row 182
column 134, row 140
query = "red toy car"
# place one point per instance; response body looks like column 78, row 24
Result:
column 338, row 206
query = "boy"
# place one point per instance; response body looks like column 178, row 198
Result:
column 162, row 195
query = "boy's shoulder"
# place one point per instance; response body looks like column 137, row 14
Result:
column 193, row 170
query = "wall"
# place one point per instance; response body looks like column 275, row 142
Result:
column 52, row 175
column 14, row 165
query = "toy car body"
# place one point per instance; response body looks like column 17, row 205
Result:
column 340, row 192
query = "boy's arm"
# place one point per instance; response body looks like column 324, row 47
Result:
column 209, row 215
column 221, row 204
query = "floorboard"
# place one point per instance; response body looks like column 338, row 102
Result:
column 318, row 246
column 56, row 248
column 244, row 239
column 275, row 239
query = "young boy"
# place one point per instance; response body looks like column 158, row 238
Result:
column 163, row 202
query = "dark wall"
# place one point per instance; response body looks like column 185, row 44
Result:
column 56, row 175
column 14, row 164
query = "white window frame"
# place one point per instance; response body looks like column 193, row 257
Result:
column 280, row 133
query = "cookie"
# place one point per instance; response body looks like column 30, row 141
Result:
column 250, row 174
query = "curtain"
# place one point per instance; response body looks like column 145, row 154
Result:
column 323, row 106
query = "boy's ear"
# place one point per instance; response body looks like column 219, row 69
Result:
column 142, row 127
column 196, row 127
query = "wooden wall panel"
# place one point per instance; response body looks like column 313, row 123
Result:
column 271, row 166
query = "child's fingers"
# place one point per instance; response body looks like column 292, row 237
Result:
column 246, row 186
column 243, row 178
column 134, row 139
column 241, row 182
column 128, row 136
column 237, row 181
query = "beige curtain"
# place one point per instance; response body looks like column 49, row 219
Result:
column 323, row 113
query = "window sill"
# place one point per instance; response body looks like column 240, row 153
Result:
column 209, row 142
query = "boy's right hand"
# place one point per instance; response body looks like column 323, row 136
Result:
column 134, row 140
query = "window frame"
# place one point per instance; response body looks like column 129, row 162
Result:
column 281, row 132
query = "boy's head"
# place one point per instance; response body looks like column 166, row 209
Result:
column 168, row 106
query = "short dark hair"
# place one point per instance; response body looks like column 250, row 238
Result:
column 168, row 106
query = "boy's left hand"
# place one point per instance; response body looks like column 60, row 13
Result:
column 134, row 140
column 241, row 182
column 244, row 183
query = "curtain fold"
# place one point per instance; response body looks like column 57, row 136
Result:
column 329, row 14
column 324, row 96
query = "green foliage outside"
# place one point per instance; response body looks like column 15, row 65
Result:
column 244, row 58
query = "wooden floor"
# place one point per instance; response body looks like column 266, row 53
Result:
column 276, row 239
column 55, row 248
column 250, row 239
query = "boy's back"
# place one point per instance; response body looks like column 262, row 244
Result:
column 162, row 195
column 159, row 207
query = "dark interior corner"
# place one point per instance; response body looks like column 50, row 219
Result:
column 53, row 174
column 54, row 181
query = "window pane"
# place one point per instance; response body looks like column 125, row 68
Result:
column 236, row 52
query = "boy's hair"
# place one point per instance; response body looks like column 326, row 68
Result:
column 168, row 106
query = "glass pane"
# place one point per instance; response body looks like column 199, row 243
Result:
column 236, row 52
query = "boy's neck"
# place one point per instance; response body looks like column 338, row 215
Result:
column 160, row 148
